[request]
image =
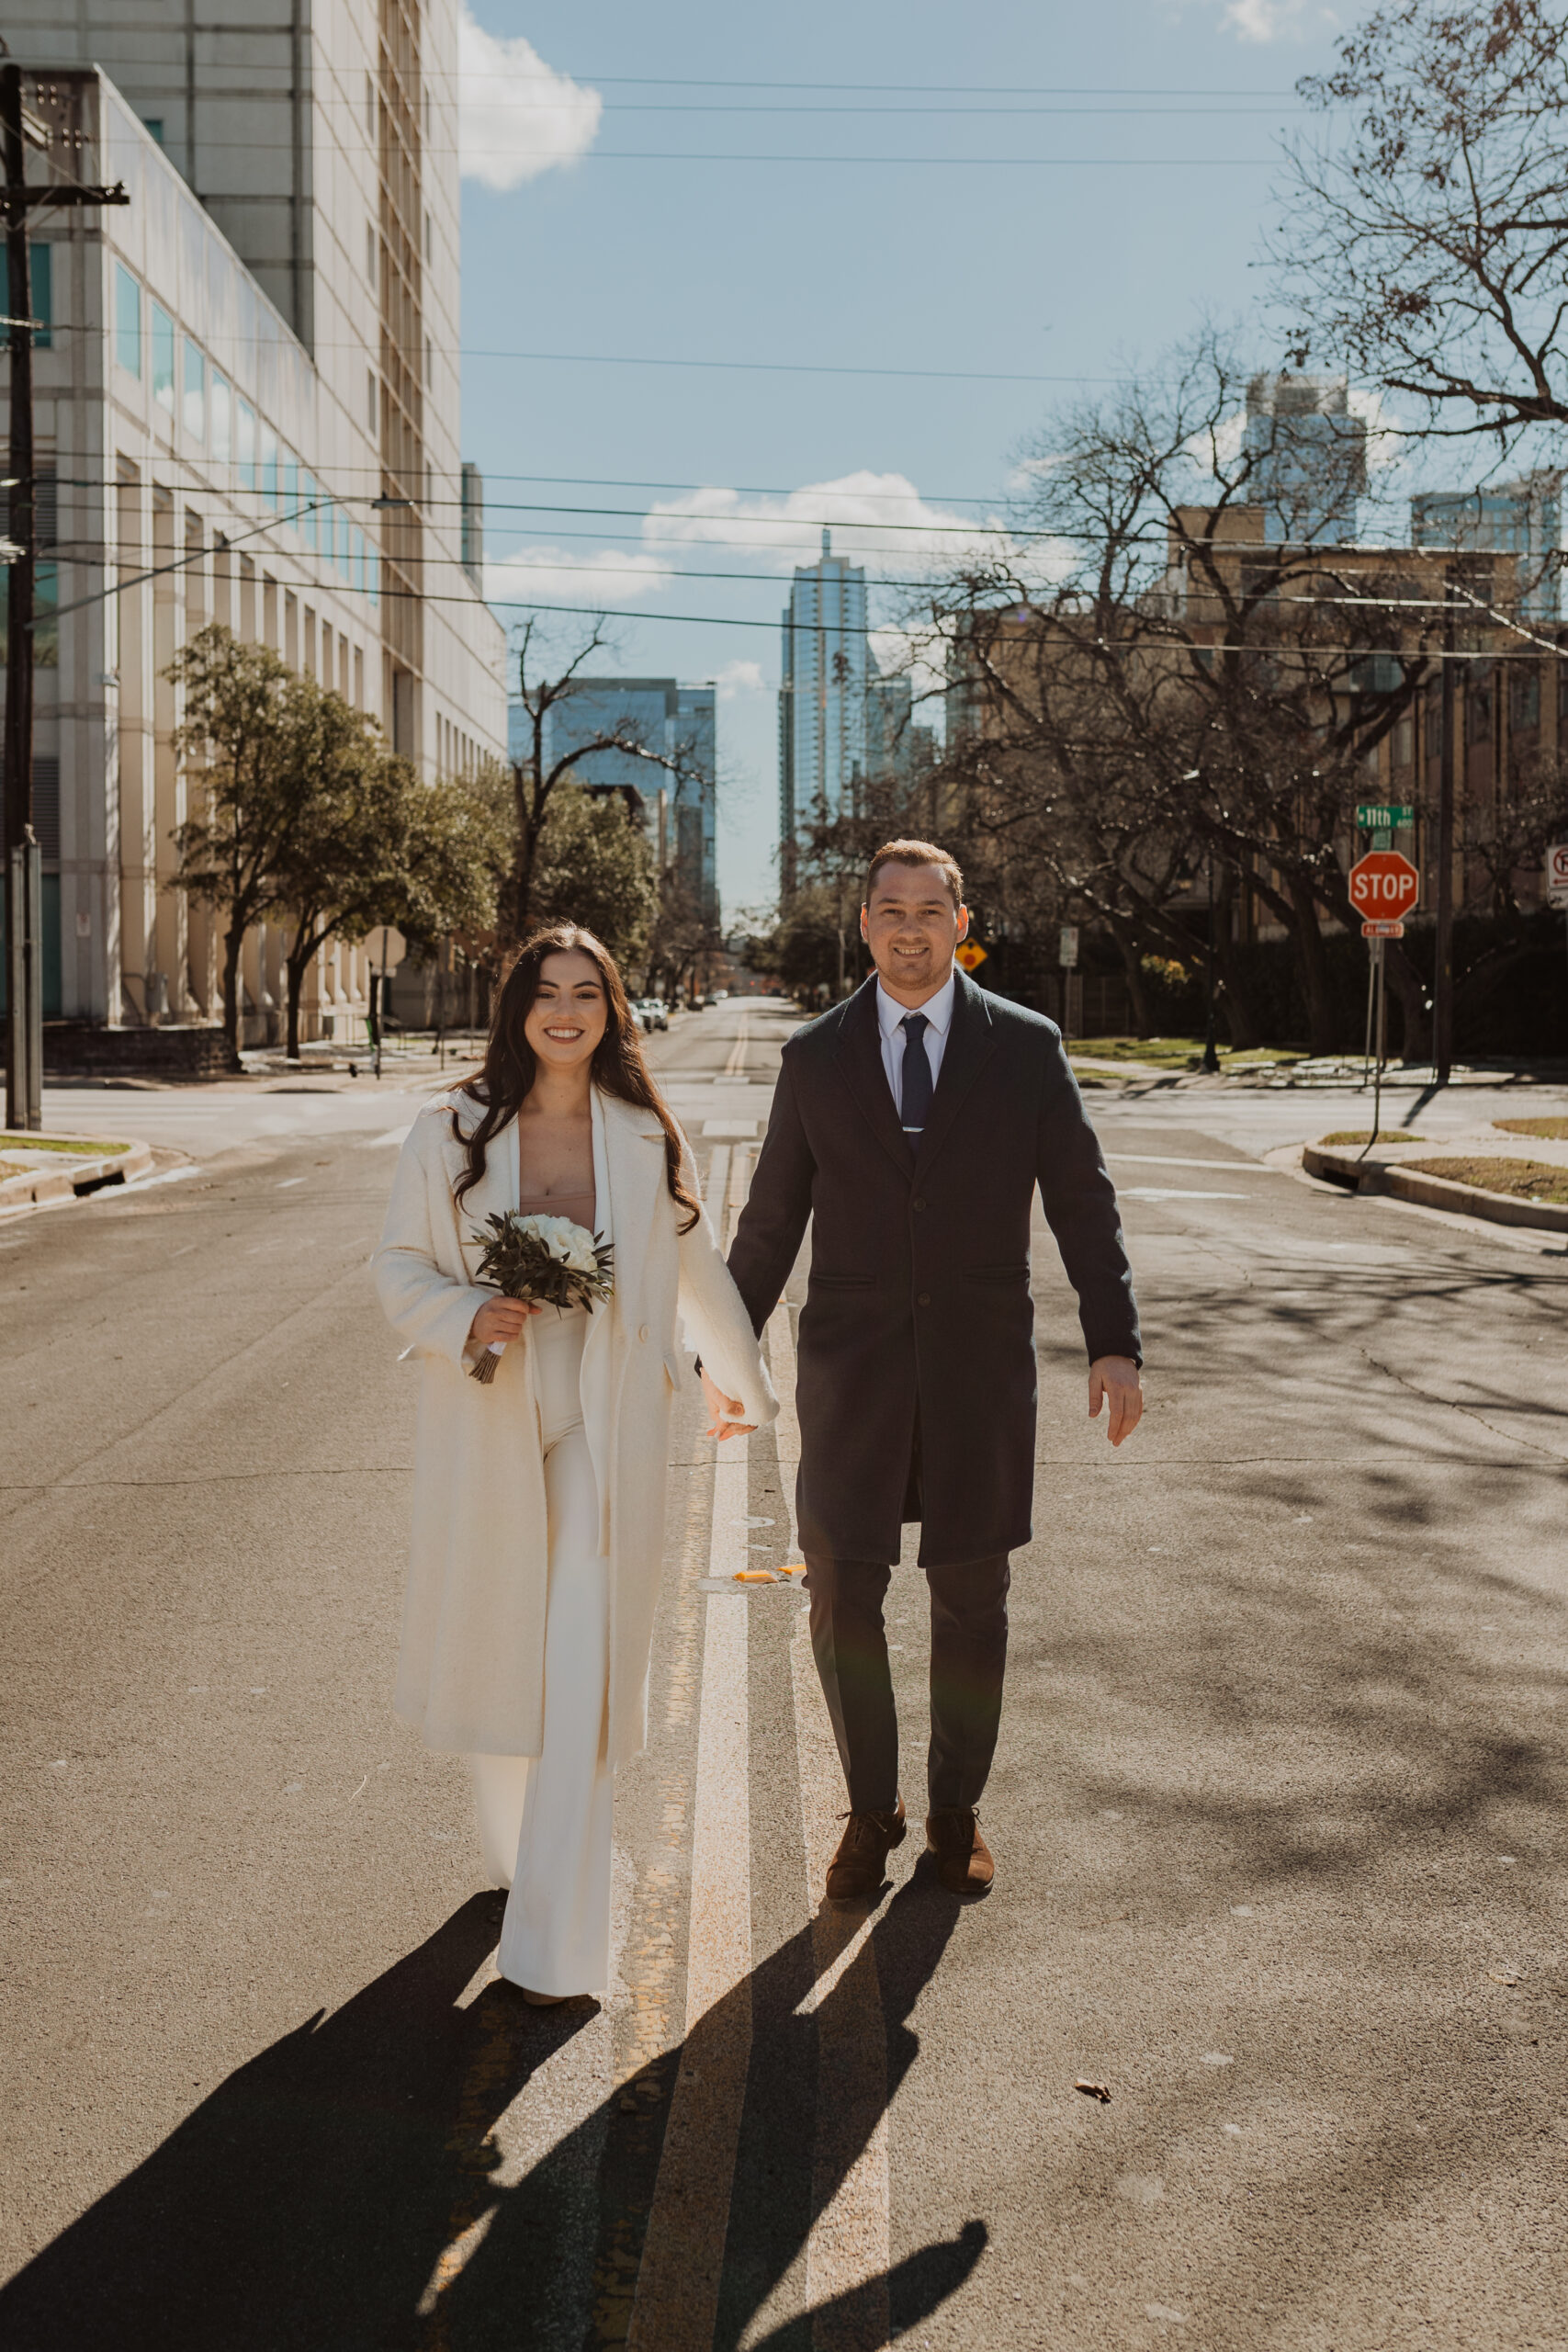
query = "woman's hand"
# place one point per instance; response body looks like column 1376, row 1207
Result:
column 499, row 1320
column 723, row 1412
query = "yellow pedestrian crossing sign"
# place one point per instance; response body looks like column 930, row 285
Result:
column 970, row 955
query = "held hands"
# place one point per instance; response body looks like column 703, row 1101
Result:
column 1114, row 1380
column 723, row 1412
column 499, row 1320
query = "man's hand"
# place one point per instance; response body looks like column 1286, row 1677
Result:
column 1115, row 1379
column 723, row 1412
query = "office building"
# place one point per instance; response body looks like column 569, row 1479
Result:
column 249, row 405
column 678, row 802
column 1521, row 518
column 822, row 698
column 1308, row 457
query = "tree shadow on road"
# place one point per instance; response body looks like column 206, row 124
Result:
column 320, row 2197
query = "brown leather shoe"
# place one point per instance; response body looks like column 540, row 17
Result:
column 859, row 1867
column 963, row 1862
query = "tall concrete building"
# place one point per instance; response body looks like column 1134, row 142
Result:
column 679, row 805
column 250, row 404
column 1309, row 458
column 1521, row 518
column 822, row 703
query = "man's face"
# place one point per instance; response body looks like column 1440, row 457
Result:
column 911, row 927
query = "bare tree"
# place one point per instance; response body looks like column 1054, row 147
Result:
column 538, row 776
column 1427, row 245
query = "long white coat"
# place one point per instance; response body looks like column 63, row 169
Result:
column 472, row 1668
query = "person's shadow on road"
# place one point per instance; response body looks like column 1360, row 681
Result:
column 309, row 2202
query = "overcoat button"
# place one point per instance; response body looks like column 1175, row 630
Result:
column 924, row 1299
column 920, row 1205
column 642, row 1330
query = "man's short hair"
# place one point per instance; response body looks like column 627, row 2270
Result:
column 916, row 853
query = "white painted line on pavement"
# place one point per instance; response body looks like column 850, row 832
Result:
column 682, row 2255
column 848, row 2246
column 392, row 1135
column 1169, row 1159
column 1174, row 1193
column 786, row 1429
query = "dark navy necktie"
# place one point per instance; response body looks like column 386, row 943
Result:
column 914, row 1093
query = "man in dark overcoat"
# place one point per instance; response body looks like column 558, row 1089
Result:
column 911, row 1124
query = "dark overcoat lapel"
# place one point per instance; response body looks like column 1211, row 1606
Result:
column 859, row 1057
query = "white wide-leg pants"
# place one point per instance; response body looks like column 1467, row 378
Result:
column 545, row 1822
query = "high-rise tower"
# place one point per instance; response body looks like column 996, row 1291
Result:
column 821, row 699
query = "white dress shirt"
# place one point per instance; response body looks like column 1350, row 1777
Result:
column 937, row 1011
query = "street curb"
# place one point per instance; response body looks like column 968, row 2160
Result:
column 41, row 1187
column 1431, row 1191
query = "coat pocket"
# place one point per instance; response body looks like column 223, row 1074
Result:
column 839, row 1282
column 1014, row 1274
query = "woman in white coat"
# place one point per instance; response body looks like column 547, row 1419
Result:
column 538, row 1502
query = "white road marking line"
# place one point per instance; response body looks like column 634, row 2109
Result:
column 682, row 2256
column 1174, row 1193
column 1169, row 1159
column 849, row 2245
column 786, row 1429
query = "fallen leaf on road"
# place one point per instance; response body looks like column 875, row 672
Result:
column 755, row 1575
column 1093, row 2090
column 1505, row 1977
column 1165, row 2311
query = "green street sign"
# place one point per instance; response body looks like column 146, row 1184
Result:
column 1379, row 813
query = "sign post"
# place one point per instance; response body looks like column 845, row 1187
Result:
column 1557, row 875
column 1068, row 956
column 1384, row 887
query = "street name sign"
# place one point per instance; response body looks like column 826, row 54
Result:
column 1557, row 873
column 1384, row 885
column 970, row 954
column 1378, row 816
column 1069, row 947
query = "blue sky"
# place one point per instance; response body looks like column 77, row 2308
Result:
column 599, row 218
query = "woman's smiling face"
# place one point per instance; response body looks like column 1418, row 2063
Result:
column 569, row 1015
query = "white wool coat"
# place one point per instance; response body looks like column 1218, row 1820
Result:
column 471, row 1672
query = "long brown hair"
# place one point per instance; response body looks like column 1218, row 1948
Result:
column 510, row 1062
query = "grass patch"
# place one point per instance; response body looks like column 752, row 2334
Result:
column 1522, row 1179
column 80, row 1148
column 1543, row 1130
column 1364, row 1134
column 1179, row 1053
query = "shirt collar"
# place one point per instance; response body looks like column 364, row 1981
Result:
column 938, row 1009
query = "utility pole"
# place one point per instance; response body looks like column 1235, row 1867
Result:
column 23, row 858
column 1443, row 973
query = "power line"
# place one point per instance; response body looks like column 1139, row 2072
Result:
column 772, row 366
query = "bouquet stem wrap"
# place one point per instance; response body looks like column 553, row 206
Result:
column 546, row 1261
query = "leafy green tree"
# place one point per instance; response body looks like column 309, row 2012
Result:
column 245, row 733
column 594, row 866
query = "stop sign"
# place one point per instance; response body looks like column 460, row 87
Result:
column 1384, row 885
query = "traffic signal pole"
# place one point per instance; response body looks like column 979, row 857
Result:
column 24, row 880
column 22, row 856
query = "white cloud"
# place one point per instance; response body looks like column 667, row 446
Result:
column 518, row 116
column 882, row 517
column 1270, row 20
column 560, row 576
column 738, row 678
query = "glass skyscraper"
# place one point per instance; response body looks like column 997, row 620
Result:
column 822, row 699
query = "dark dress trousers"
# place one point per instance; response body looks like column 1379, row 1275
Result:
column 916, row 1389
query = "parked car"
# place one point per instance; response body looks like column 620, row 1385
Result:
column 658, row 1012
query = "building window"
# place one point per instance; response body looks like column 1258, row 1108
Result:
column 374, row 403
column 40, row 273
column 126, row 320
column 290, row 489
column 1403, row 743
column 245, row 444
column 162, row 358
column 373, row 574
column 195, row 404
column 153, row 125
column 222, row 420
column 308, row 516
column 269, row 467
column 1524, row 710
column 357, row 570
column 370, row 104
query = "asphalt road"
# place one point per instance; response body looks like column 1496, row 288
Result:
column 1278, row 1813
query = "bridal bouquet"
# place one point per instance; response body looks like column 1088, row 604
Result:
column 548, row 1260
